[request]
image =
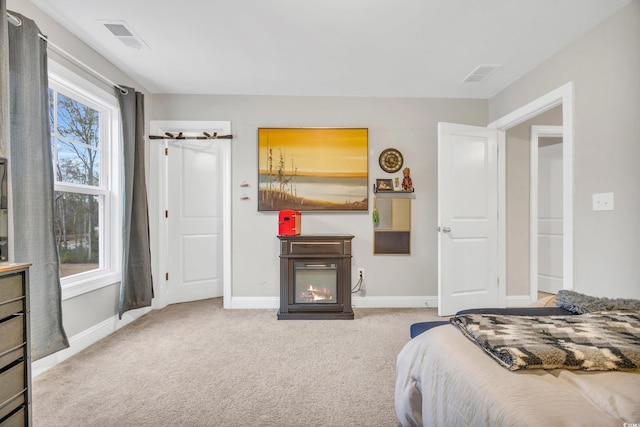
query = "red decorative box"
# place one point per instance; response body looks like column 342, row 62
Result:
column 289, row 222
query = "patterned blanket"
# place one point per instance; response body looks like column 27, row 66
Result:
column 603, row 341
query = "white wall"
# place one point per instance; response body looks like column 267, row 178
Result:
column 604, row 65
column 408, row 124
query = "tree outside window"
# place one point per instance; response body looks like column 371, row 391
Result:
column 79, row 196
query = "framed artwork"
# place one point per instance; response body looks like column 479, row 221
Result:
column 313, row 169
column 384, row 185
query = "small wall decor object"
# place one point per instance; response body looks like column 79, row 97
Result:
column 376, row 216
column 407, row 184
column 384, row 185
column 390, row 160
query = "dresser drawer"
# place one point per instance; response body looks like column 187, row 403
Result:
column 10, row 406
column 17, row 419
column 11, row 308
column 13, row 355
column 12, row 381
column 11, row 287
column 12, row 332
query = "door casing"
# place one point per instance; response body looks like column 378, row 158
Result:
column 564, row 96
column 158, row 201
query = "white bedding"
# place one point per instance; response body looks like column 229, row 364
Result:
column 443, row 379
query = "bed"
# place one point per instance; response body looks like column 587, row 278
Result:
column 443, row 378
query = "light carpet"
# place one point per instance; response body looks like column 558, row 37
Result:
column 196, row 364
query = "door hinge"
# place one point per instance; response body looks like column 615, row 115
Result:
column 166, row 276
column 166, row 214
column 166, row 151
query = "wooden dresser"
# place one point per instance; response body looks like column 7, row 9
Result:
column 15, row 351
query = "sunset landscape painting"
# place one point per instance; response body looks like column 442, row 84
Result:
column 313, row 169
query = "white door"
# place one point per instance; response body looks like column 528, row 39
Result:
column 550, row 241
column 194, row 223
column 467, row 217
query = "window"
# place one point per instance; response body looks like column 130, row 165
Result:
column 86, row 167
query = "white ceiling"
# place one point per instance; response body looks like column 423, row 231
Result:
column 387, row 48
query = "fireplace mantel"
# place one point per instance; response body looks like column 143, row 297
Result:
column 315, row 277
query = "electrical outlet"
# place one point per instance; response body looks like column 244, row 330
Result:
column 361, row 274
column 603, row 202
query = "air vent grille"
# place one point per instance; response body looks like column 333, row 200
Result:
column 125, row 34
column 480, row 73
column 118, row 30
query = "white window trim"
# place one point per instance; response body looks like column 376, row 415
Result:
column 111, row 274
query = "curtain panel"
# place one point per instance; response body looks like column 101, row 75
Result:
column 31, row 180
column 4, row 80
column 136, row 288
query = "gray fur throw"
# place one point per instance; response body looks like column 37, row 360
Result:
column 579, row 303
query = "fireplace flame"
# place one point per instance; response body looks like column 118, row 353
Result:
column 313, row 294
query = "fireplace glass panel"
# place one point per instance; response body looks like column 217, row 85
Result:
column 315, row 282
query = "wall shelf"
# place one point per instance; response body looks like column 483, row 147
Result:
column 375, row 190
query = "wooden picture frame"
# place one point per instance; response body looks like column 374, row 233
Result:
column 384, row 184
column 313, row 169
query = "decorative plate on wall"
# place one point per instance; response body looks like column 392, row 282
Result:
column 390, row 160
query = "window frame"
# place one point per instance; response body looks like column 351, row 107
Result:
column 72, row 85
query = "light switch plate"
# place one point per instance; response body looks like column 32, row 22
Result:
column 603, row 201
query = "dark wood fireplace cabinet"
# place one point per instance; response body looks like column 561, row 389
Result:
column 315, row 277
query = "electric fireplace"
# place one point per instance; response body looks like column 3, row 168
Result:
column 315, row 277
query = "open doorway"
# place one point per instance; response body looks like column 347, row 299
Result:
column 534, row 186
column 546, row 200
column 521, row 289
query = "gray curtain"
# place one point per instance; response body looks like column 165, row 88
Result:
column 4, row 80
column 31, row 177
column 136, row 289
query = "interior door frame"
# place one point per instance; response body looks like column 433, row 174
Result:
column 537, row 132
column 158, row 199
column 564, row 95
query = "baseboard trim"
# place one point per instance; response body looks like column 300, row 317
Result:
column 357, row 301
column 255, row 302
column 394, row 302
column 85, row 338
column 518, row 300
column 369, row 302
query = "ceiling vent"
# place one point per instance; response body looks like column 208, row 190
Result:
column 125, row 34
column 480, row 73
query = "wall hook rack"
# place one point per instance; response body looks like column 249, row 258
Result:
column 180, row 135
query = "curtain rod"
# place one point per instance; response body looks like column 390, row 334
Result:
column 205, row 135
column 14, row 20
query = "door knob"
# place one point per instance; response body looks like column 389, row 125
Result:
column 446, row 229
